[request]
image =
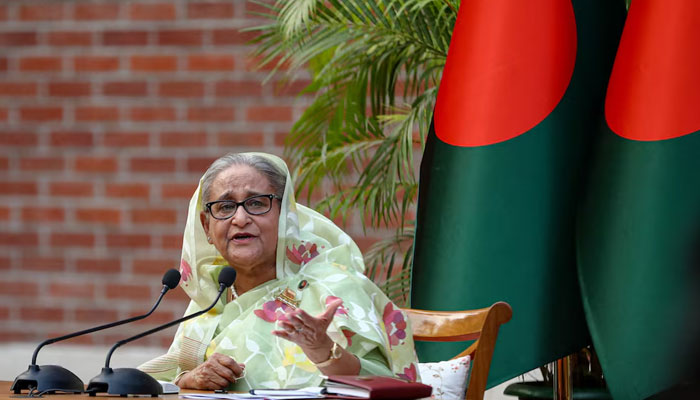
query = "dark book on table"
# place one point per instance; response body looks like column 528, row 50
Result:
column 374, row 387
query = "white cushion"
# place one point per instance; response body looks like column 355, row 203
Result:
column 448, row 378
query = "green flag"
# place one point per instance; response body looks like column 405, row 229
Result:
column 642, row 211
column 521, row 92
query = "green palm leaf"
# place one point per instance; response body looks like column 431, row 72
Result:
column 375, row 67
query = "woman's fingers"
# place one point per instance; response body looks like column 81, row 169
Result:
column 308, row 332
column 215, row 381
column 301, row 318
column 284, row 334
column 299, row 321
column 223, row 371
column 228, row 366
column 287, row 326
column 331, row 309
column 215, row 373
column 203, row 377
column 305, row 328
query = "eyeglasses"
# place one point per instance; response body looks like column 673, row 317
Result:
column 254, row 205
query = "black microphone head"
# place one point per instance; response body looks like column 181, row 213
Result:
column 171, row 278
column 227, row 276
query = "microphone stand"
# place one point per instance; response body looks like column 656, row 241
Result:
column 126, row 381
column 53, row 378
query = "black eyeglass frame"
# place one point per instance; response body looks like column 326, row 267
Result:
column 241, row 203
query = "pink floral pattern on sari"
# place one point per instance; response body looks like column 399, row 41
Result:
column 272, row 311
column 395, row 324
column 302, row 254
column 409, row 373
column 185, row 270
column 348, row 335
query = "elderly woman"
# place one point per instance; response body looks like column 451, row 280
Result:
column 300, row 307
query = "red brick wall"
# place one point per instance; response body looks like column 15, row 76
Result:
column 109, row 113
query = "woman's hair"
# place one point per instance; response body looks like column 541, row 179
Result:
column 276, row 177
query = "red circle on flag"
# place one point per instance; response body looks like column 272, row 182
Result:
column 654, row 90
column 508, row 66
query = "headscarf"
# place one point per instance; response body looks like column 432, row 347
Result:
column 316, row 262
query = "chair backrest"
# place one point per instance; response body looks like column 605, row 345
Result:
column 452, row 326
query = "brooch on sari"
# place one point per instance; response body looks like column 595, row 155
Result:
column 288, row 297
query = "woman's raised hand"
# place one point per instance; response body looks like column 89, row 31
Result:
column 309, row 332
column 216, row 373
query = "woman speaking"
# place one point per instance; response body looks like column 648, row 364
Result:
column 300, row 307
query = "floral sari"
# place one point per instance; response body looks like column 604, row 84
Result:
column 316, row 263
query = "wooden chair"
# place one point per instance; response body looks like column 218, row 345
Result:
column 452, row 326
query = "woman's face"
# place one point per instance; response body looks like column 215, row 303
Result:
column 247, row 242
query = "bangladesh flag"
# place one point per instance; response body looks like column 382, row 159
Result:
column 521, row 92
column 640, row 221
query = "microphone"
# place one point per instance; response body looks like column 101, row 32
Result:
column 52, row 378
column 126, row 381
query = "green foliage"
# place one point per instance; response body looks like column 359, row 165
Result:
column 375, row 68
